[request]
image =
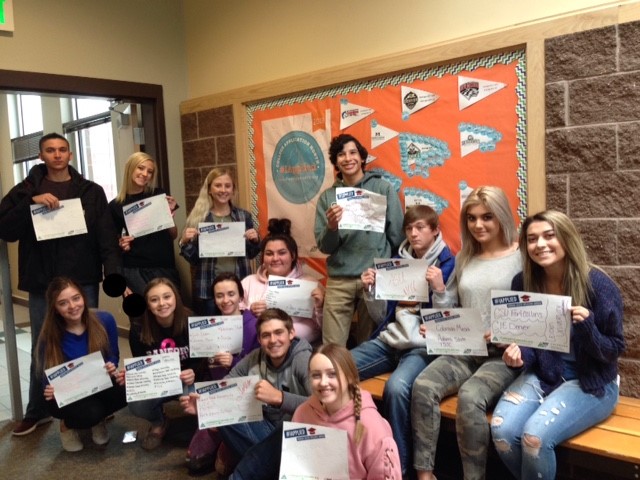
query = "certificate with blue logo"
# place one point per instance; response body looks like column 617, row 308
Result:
column 221, row 239
column 531, row 320
column 153, row 376
column 65, row 221
column 313, row 452
column 147, row 216
column 211, row 335
column 228, row 401
column 454, row 331
column 401, row 279
column 361, row 209
column 293, row 295
column 78, row 378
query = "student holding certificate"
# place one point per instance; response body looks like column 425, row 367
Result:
column 488, row 260
column 149, row 256
column 70, row 331
column 279, row 256
column 336, row 401
column 577, row 389
column 214, row 204
column 228, row 293
column 281, row 363
column 163, row 329
column 352, row 251
column 397, row 345
column 82, row 257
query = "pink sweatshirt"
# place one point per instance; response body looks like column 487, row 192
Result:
column 255, row 289
column 376, row 456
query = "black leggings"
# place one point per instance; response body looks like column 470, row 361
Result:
column 90, row 411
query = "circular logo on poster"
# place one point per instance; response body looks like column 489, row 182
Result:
column 297, row 167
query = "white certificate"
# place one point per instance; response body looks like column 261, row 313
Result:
column 210, row 335
column 78, row 378
column 224, row 239
column 531, row 320
column 65, row 221
column 148, row 215
column 454, row 331
column 362, row 209
column 293, row 295
column 228, row 401
column 401, row 279
column 153, row 376
column 313, row 452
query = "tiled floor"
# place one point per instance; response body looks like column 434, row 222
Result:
column 23, row 342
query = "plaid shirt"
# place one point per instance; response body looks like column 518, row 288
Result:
column 206, row 267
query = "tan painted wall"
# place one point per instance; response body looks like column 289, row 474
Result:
column 138, row 41
column 232, row 44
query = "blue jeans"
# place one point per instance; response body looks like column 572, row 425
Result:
column 375, row 357
column 37, row 407
column 524, row 413
column 240, row 437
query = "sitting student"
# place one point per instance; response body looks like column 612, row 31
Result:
column 576, row 389
column 281, row 362
column 227, row 293
column 163, row 329
column 70, row 331
column 338, row 402
column 399, row 347
column 279, row 256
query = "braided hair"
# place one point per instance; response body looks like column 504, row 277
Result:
column 342, row 361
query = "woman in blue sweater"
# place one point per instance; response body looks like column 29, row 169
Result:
column 71, row 331
column 559, row 395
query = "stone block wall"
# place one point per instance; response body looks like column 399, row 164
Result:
column 593, row 158
column 208, row 140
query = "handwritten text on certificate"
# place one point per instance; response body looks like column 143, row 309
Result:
column 531, row 320
column 454, row 331
column 362, row 209
column 228, row 401
column 211, row 335
column 401, row 279
column 79, row 378
column 64, row 221
column 153, row 376
column 224, row 239
column 313, row 452
column 292, row 295
column 147, row 216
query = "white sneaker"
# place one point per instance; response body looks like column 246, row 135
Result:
column 100, row 434
column 71, row 441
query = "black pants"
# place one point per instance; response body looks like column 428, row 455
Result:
column 90, row 411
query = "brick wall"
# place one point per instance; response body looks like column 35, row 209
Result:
column 208, row 140
column 593, row 158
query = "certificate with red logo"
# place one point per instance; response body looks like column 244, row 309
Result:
column 531, row 320
column 153, row 376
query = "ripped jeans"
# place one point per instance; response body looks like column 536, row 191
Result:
column 526, row 426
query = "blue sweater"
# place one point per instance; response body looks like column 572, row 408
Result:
column 75, row 346
column 598, row 341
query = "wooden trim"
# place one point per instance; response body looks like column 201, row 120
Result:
column 536, row 165
column 150, row 96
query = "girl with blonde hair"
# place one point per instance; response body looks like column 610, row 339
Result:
column 488, row 260
column 70, row 331
column 152, row 255
column 577, row 389
column 215, row 204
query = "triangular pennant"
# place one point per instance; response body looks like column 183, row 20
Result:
column 351, row 113
column 370, row 158
column 414, row 100
column 472, row 90
column 381, row 134
column 477, row 137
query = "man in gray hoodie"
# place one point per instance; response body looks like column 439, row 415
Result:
column 396, row 345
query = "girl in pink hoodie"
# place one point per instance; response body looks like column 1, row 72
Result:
column 336, row 401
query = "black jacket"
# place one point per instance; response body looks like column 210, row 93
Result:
column 79, row 257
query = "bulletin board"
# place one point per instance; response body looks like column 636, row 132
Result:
column 434, row 134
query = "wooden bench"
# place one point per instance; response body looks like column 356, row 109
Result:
column 608, row 450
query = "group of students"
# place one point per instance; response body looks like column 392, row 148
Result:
column 536, row 393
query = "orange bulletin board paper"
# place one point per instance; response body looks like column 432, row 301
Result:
column 435, row 134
